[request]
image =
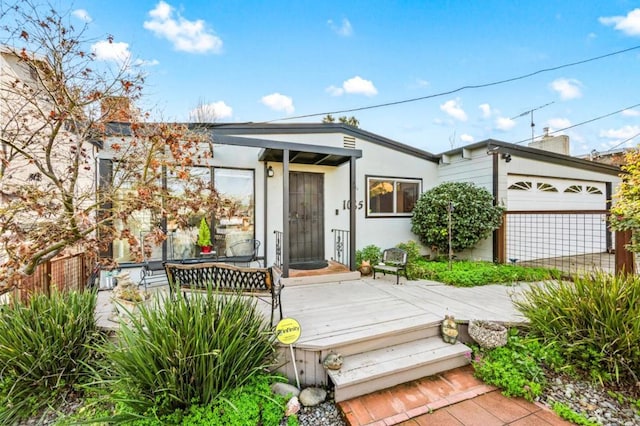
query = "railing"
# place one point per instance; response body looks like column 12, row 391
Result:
column 340, row 246
column 278, row 261
column 571, row 241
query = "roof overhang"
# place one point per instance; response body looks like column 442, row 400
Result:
column 273, row 151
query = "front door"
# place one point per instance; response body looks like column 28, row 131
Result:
column 306, row 217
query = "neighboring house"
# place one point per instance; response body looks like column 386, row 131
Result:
column 297, row 182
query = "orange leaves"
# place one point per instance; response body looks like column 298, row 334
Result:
column 127, row 85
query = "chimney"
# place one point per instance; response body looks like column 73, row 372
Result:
column 546, row 132
column 116, row 109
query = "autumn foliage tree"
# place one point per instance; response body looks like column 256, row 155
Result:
column 56, row 98
column 625, row 214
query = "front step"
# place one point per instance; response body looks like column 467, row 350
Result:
column 382, row 368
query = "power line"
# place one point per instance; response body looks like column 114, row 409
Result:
column 459, row 89
column 624, row 141
column 586, row 122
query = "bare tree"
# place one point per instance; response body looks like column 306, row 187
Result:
column 56, row 101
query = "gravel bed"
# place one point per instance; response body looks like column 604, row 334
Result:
column 590, row 400
column 325, row 414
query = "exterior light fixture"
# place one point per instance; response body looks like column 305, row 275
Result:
column 270, row 172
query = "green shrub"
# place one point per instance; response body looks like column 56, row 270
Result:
column 517, row 367
column 593, row 319
column 188, row 351
column 250, row 404
column 372, row 253
column 567, row 413
column 45, row 347
column 474, row 216
column 469, row 274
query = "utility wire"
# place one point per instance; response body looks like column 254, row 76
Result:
column 586, row 122
column 623, row 142
column 459, row 89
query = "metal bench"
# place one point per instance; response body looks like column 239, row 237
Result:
column 152, row 272
column 243, row 251
column 225, row 278
column 394, row 260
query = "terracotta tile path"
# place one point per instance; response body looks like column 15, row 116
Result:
column 451, row 398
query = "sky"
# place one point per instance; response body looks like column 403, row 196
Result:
column 272, row 61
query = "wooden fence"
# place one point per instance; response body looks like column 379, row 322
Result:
column 62, row 273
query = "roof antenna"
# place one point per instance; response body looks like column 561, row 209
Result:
column 530, row 112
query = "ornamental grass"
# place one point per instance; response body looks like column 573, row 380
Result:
column 45, row 346
column 595, row 320
column 188, row 351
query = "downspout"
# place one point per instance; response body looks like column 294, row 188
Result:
column 496, row 233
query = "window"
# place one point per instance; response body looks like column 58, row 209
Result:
column 232, row 221
column 546, row 187
column 521, row 186
column 391, row 196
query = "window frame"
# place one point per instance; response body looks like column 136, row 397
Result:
column 394, row 180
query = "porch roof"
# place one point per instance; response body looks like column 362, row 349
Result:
column 299, row 153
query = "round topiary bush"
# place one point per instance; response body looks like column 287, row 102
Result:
column 473, row 216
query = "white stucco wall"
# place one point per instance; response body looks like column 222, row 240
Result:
column 377, row 161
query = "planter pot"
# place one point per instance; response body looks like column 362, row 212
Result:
column 122, row 306
column 487, row 334
column 205, row 249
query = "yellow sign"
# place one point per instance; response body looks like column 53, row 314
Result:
column 288, row 331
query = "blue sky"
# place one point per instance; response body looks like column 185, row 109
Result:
column 267, row 60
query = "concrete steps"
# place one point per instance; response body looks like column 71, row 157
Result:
column 385, row 361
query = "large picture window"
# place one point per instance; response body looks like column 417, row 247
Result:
column 232, row 221
column 391, row 196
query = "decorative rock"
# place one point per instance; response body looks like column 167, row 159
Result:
column 333, row 361
column 293, row 406
column 284, row 389
column 487, row 334
column 310, row 397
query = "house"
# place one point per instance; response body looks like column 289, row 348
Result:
column 315, row 191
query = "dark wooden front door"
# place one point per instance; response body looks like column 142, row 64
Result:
column 306, row 216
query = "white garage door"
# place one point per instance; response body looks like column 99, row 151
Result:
column 544, row 193
column 564, row 230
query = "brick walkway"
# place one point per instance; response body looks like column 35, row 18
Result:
column 451, row 398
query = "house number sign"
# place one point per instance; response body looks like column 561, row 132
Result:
column 346, row 205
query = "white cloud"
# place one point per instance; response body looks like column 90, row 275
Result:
column 335, row 91
column 558, row 123
column 212, row 111
column 631, row 113
column 111, row 51
column 624, row 132
column 486, row 110
column 345, row 29
column 355, row 86
column 186, row 36
column 466, row 138
column 454, row 109
column 567, row 88
column 146, row 63
column 505, row 124
column 630, row 24
column 359, row 86
column 278, row 102
column 82, row 14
